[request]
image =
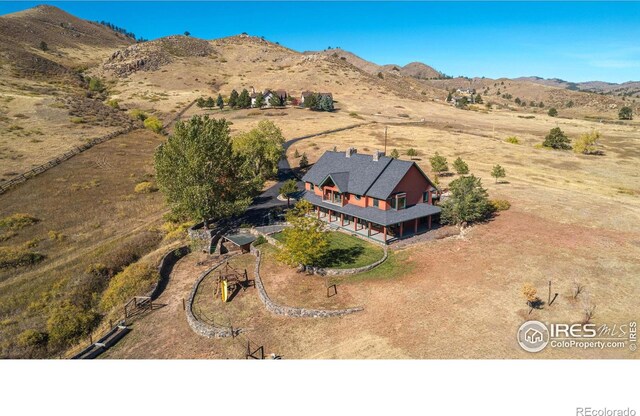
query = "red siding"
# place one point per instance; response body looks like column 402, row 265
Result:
column 413, row 184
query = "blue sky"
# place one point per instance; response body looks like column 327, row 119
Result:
column 575, row 41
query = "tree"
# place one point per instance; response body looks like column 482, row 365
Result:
column 209, row 103
column 556, row 139
column 304, row 162
column 187, row 33
column 541, row 104
column 517, row 101
column 498, row 172
column 587, row 143
column 200, row 102
column 468, row 202
column 296, row 154
column 276, row 100
column 311, row 101
column 626, row 113
column 439, row 164
column 305, row 242
column 478, row 99
column 261, row 149
column 220, row 102
column 288, row 187
column 233, row 99
column 552, row 112
column 460, row 166
column 412, row 152
column 244, row 101
column 43, row 46
column 530, row 293
column 394, row 154
column 200, row 175
column 449, row 97
column 259, row 100
column 326, row 103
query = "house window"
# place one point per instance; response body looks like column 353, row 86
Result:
column 337, row 198
column 311, row 187
column 393, row 202
column 425, row 196
column 358, row 197
column 376, row 202
column 402, row 201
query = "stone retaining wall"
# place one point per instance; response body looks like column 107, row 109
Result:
column 199, row 327
column 289, row 310
column 165, row 268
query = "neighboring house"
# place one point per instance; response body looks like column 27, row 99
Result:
column 373, row 195
column 268, row 95
column 467, row 91
column 306, row 94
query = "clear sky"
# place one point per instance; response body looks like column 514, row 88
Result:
column 575, row 41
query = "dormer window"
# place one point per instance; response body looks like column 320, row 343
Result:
column 398, row 201
column 311, row 186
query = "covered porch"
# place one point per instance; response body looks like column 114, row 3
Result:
column 384, row 234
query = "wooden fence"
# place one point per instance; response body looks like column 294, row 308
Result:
column 4, row 186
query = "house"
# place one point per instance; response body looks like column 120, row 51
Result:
column 467, row 91
column 306, row 94
column 375, row 196
column 268, row 95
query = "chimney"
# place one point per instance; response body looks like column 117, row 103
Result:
column 377, row 155
column 351, row 151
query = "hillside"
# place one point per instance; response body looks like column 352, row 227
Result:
column 628, row 89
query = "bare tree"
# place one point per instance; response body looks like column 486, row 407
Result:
column 589, row 308
column 577, row 289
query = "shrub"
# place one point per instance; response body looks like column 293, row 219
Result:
column 95, row 84
column 412, row 152
column 113, row 104
column 530, row 293
column 18, row 221
column 68, row 322
column 56, row 235
column 76, row 120
column 498, row 172
column 260, row 240
column 500, row 204
column 552, row 112
column 138, row 114
column 394, row 154
column 439, row 164
column 512, row 140
column 18, row 256
column 31, row 338
column 145, row 188
column 153, row 124
column 134, row 280
column 587, row 143
column 176, row 230
column 7, row 235
column 130, row 251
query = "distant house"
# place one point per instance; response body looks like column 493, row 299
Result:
column 268, row 96
column 378, row 197
column 467, row 91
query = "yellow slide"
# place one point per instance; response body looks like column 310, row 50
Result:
column 225, row 290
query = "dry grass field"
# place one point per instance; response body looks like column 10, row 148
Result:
column 86, row 208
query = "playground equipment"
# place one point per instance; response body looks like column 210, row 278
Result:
column 229, row 281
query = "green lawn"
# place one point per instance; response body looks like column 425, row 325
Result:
column 346, row 251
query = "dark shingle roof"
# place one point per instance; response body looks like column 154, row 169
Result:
column 361, row 174
column 376, row 215
column 388, row 180
column 362, row 170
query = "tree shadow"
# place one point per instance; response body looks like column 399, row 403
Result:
column 537, row 303
column 337, row 256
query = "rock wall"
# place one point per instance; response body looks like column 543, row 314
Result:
column 199, row 327
column 289, row 310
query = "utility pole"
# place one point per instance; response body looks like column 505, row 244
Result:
column 385, row 140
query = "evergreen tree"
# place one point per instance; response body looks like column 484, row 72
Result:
column 259, row 100
column 311, row 101
column 304, row 162
column 233, row 99
column 244, row 100
column 478, row 99
column 552, row 112
column 43, row 46
column 498, row 172
column 200, row 102
column 326, row 103
column 461, row 166
column 469, row 202
column 449, row 97
column 220, row 102
column 626, row 113
column 394, row 154
column 439, row 164
column 556, row 139
column 209, row 103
